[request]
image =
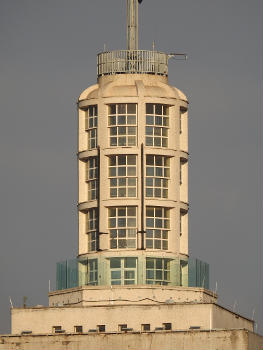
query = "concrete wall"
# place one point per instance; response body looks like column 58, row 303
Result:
column 181, row 340
column 181, row 316
column 101, row 295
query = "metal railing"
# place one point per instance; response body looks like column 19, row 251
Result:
column 132, row 62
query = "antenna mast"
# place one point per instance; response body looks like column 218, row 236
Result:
column 132, row 24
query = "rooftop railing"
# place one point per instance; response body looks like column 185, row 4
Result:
column 132, row 62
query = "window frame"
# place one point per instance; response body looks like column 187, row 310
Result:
column 155, row 232
column 160, row 271
column 156, row 125
column 119, row 125
column 91, row 125
column 158, row 181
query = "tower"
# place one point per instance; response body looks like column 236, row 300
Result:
column 133, row 170
column 133, row 272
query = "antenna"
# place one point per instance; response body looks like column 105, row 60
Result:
column 132, row 24
column 11, row 303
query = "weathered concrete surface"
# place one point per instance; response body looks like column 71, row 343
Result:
column 180, row 340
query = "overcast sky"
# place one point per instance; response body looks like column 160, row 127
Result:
column 48, row 56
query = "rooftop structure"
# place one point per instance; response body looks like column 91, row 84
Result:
column 133, row 273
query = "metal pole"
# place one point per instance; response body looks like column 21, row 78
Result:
column 132, row 24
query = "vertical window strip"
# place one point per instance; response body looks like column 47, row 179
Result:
column 91, row 126
column 122, row 122
column 123, row 176
column 157, row 228
column 122, row 225
column 157, row 271
column 92, row 177
column 93, row 272
column 92, row 229
column 157, row 125
column 157, row 175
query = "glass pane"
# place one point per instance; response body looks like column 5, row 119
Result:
column 113, row 243
column 165, row 142
column 131, row 181
column 113, row 141
column 131, row 232
column 122, row 233
column 122, row 171
column 149, row 160
column 165, row 234
column 122, row 222
column 131, row 243
column 164, row 132
column 113, row 182
column 122, row 181
column 159, row 275
column 149, row 130
column 112, row 212
column 122, row 130
column 113, row 192
column 149, row 192
column 131, row 222
column 149, row 243
column 131, row 141
column 150, row 263
column 157, row 233
column 149, row 171
column 149, row 181
column 112, row 109
column 159, row 263
column 149, row 233
column 149, row 222
column 158, row 109
column 112, row 120
column 122, row 243
column 158, row 212
column 150, row 274
column 129, row 275
column 158, row 120
column 165, row 245
column 131, row 120
column 113, row 131
column 131, row 108
column 157, row 194
column 112, row 222
column 157, row 131
column 113, row 233
column 157, row 142
column 149, row 108
column 121, row 120
column 150, row 211
column 131, row 192
column 131, row 211
column 121, row 108
column 129, row 282
column 115, row 275
column 166, row 264
column 116, row 282
column 131, row 160
column 122, row 141
column 115, row 263
column 149, row 141
column 130, row 262
column 165, row 110
column 149, row 120
column 131, row 171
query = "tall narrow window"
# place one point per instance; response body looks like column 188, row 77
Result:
column 122, row 227
column 122, row 174
column 92, row 229
column 157, row 124
column 123, row 271
column 91, row 126
column 92, row 177
column 93, row 272
column 157, row 271
column 157, row 175
column 157, row 227
column 123, row 124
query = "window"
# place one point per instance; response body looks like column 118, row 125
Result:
column 167, row 326
column 123, row 124
column 101, row 328
column 157, row 226
column 57, row 329
column 157, row 124
column 157, row 175
column 146, row 327
column 91, row 126
column 122, row 227
column 123, row 271
column 92, row 229
column 92, row 177
column 122, row 327
column 122, row 173
column 78, row 329
column 92, row 272
column 157, row 271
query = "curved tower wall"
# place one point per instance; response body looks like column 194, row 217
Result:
column 133, row 181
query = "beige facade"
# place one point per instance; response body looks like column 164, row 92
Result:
column 238, row 339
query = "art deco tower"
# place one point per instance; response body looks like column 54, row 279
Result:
column 133, row 170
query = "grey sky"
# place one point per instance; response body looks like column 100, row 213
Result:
column 48, row 56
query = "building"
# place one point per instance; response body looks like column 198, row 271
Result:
column 133, row 279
